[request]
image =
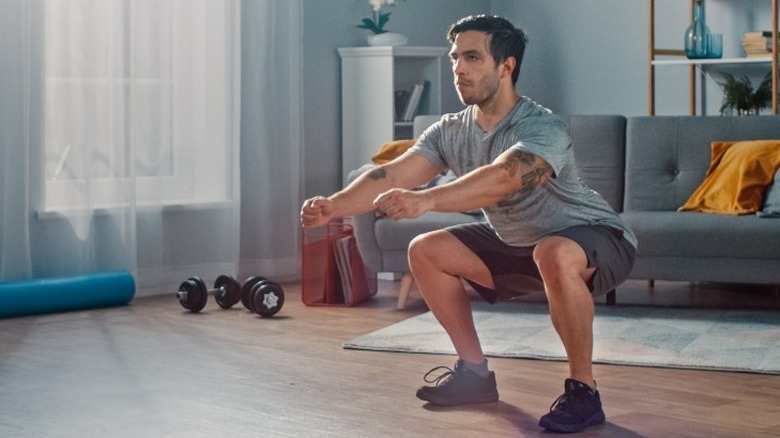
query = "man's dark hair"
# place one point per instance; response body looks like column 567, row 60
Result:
column 505, row 39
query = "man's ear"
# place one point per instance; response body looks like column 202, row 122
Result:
column 509, row 65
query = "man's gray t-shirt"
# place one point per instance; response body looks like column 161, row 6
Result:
column 457, row 143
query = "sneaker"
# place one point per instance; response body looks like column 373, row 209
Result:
column 458, row 387
column 578, row 408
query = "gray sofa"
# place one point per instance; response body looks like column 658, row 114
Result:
column 645, row 167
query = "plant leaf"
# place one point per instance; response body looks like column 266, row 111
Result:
column 370, row 25
column 383, row 18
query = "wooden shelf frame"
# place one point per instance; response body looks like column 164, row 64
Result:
column 701, row 63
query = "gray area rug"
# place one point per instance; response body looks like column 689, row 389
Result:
column 710, row 339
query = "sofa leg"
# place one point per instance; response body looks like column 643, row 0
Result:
column 407, row 281
column 611, row 298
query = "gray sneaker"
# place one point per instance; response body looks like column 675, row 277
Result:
column 578, row 408
column 458, row 387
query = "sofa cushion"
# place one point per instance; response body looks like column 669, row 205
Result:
column 737, row 178
column 695, row 234
column 392, row 234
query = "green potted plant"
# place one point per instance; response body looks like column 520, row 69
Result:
column 739, row 96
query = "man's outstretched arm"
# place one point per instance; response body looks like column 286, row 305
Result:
column 407, row 171
column 512, row 172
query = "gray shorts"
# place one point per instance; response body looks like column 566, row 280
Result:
column 513, row 268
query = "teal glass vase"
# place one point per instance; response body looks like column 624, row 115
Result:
column 697, row 36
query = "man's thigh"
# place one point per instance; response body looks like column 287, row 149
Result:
column 450, row 255
column 512, row 270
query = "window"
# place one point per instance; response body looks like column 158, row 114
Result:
column 138, row 102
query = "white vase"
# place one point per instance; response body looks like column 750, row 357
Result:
column 387, row 39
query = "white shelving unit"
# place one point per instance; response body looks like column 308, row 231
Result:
column 712, row 67
column 369, row 78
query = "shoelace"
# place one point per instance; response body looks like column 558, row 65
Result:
column 442, row 378
column 559, row 403
column 569, row 397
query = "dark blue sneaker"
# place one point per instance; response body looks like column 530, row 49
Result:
column 458, row 387
column 574, row 411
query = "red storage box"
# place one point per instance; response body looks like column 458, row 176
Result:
column 332, row 271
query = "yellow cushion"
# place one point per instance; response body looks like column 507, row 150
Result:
column 737, row 178
column 389, row 151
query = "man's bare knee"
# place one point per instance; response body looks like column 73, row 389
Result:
column 559, row 257
column 551, row 254
column 422, row 247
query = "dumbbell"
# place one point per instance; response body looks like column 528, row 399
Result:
column 262, row 296
column 193, row 293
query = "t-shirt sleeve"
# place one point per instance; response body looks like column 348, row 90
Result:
column 548, row 139
column 429, row 145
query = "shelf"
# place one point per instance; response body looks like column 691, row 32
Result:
column 397, row 51
column 722, row 61
column 716, row 69
column 711, row 67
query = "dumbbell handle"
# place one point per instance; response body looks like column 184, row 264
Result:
column 220, row 291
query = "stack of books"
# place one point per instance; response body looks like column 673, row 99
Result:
column 757, row 44
column 409, row 103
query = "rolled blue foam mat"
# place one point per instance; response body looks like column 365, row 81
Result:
column 62, row 294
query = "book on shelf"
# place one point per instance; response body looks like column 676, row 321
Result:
column 416, row 99
column 762, row 55
column 422, row 105
column 757, row 44
column 400, row 103
column 411, row 104
column 758, row 53
column 756, row 34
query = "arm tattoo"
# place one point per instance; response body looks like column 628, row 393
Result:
column 512, row 164
column 536, row 175
column 378, row 173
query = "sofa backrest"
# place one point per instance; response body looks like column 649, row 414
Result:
column 667, row 157
column 421, row 123
column 599, row 148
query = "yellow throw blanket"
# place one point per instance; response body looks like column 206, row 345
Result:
column 391, row 150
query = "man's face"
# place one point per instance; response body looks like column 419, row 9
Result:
column 474, row 70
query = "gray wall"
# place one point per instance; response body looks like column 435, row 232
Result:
column 591, row 57
column 584, row 57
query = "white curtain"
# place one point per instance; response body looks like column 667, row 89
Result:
column 271, row 137
column 120, row 132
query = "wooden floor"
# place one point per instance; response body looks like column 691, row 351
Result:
column 152, row 370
